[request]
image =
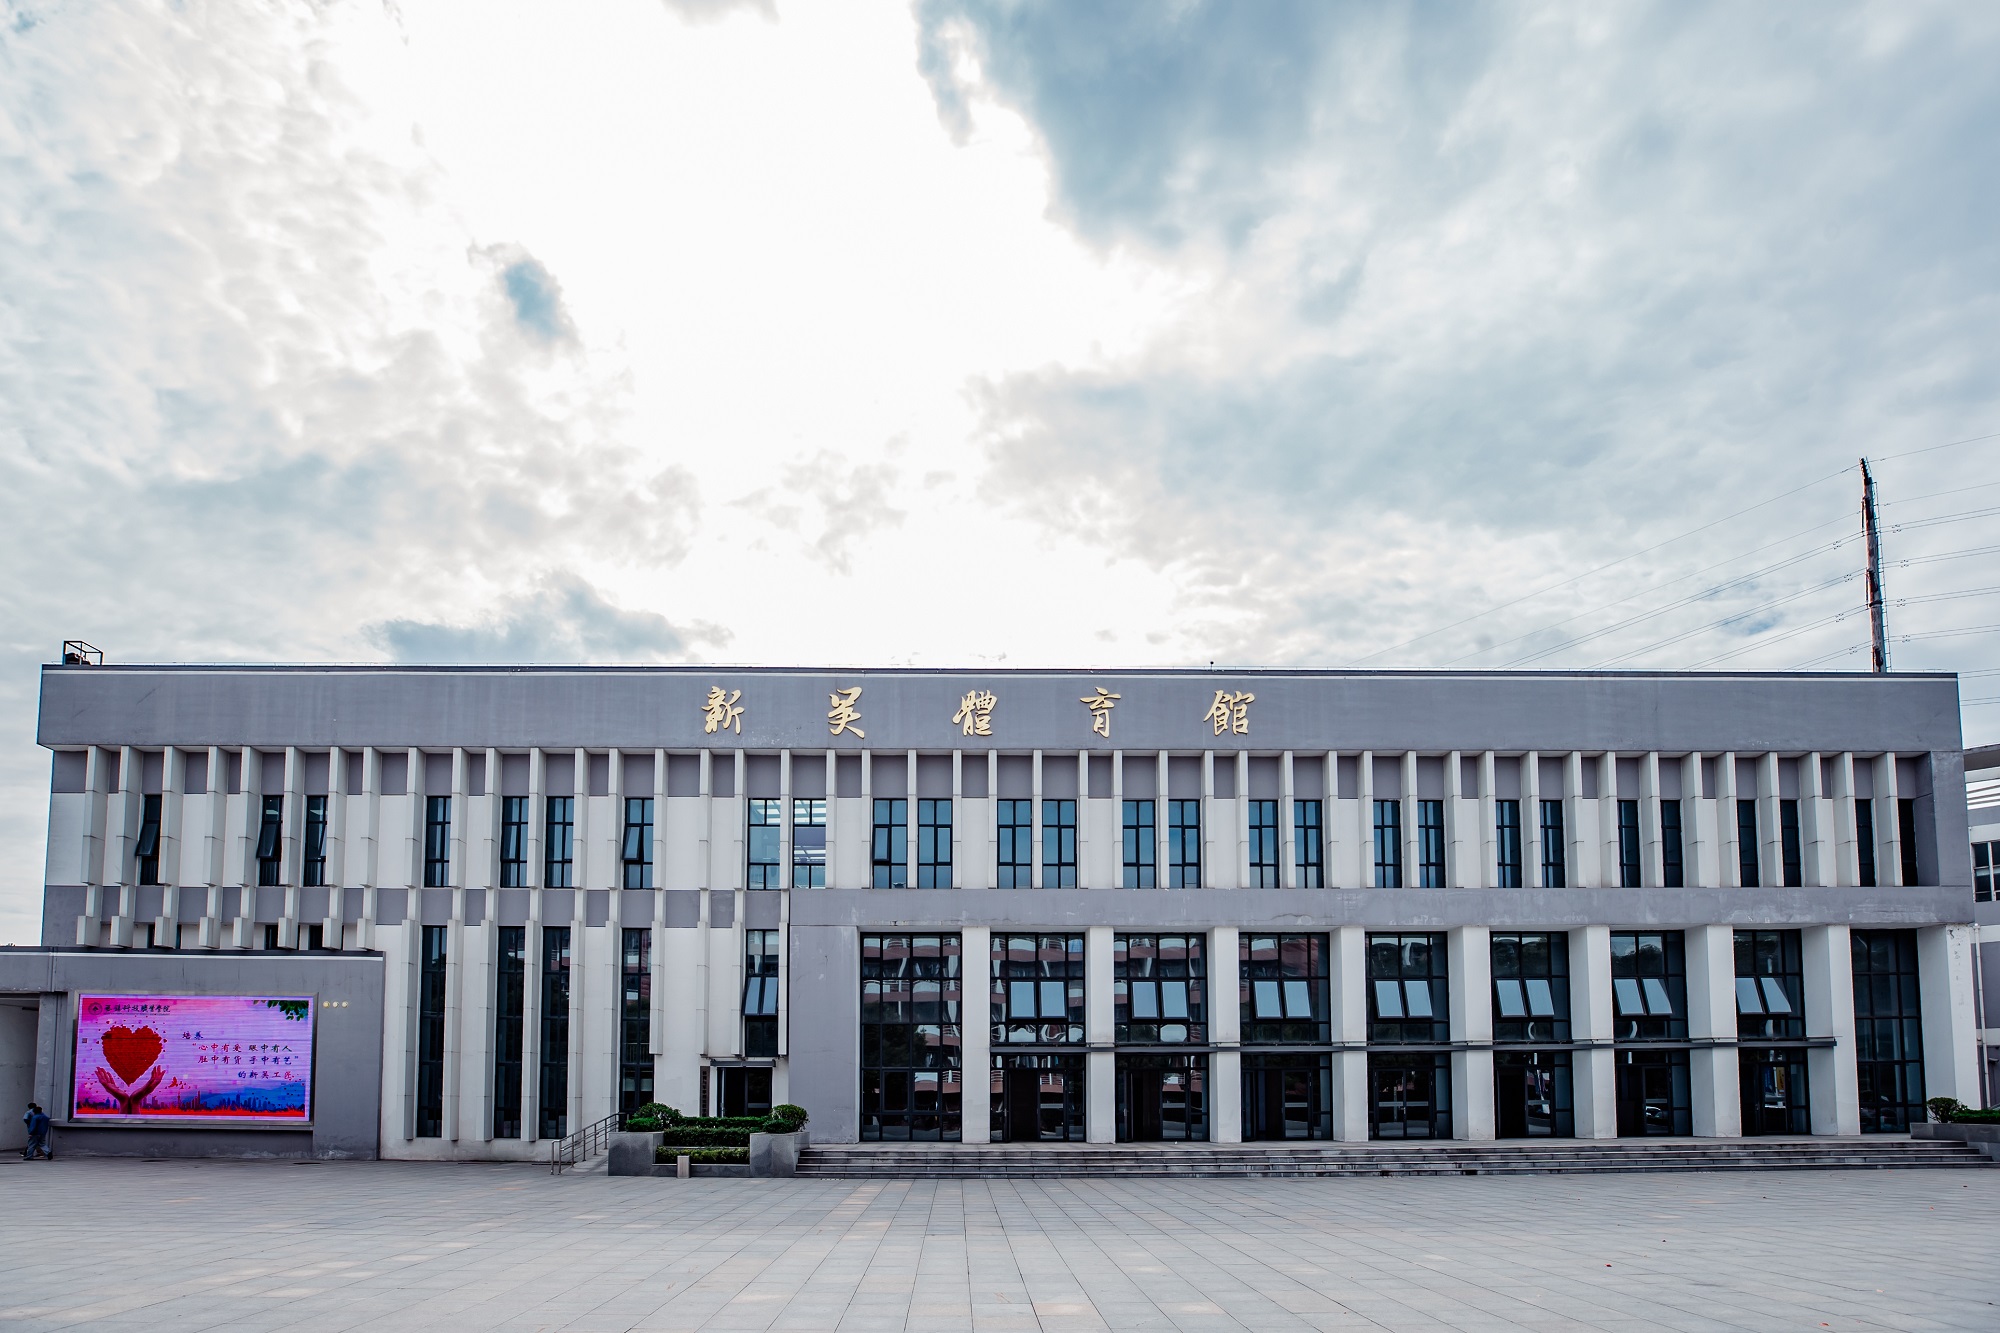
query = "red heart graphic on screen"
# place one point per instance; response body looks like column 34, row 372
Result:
column 131, row 1053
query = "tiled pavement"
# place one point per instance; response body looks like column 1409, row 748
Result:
column 185, row 1245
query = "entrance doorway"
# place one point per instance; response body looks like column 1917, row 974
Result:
column 1162, row 1098
column 1773, row 1085
column 1653, row 1094
column 746, row 1090
column 1038, row 1098
column 1409, row 1096
column 1287, row 1097
column 1531, row 1095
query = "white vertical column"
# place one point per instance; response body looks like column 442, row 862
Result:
column 975, row 1027
column 334, row 927
column 120, row 835
column 1455, row 864
column 1652, row 862
column 1100, row 1117
column 1951, row 1038
column 371, row 839
column 1117, row 821
column 291, row 848
column 1608, row 863
column 1888, row 824
column 1349, row 986
column 958, row 876
column 656, row 1010
column 1711, row 996
column 1241, row 822
column 538, row 813
column 993, row 825
column 1288, row 858
column 1531, row 819
column 1580, row 870
column 1828, row 967
column 1847, row 862
column 173, row 783
column 1729, row 855
column 243, row 859
column 1225, row 1029
column 1469, row 955
column 1035, row 868
column 1413, row 873
column 1365, row 772
column 1161, row 825
column 1593, row 1068
column 1770, row 824
column 1489, row 824
column 910, row 819
column 1329, row 826
column 1817, row 839
column 1701, row 837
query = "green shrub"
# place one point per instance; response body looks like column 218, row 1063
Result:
column 795, row 1116
column 1965, row 1115
column 707, row 1156
column 777, row 1126
column 652, row 1116
column 1944, row 1110
column 694, row 1136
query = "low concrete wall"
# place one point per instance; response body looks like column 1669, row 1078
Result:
column 633, row 1154
column 777, row 1154
column 1986, row 1138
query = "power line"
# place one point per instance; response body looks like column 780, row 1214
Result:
column 1946, row 596
column 1741, row 555
column 1944, row 518
column 1726, row 620
column 1686, row 600
column 1947, row 555
column 1948, row 633
column 1933, row 448
column 1780, row 638
column 1564, row 583
column 1932, row 495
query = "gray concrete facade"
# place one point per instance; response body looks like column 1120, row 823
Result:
column 1813, row 762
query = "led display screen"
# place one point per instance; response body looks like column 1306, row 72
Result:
column 220, row 1059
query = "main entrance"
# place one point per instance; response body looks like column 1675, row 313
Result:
column 1531, row 1095
column 1287, row 1096
column 1038, row 1098
column 1162, row 1098
column 1654, row 1097
column 1773, row 1086
column 745, row 1090
column 1409, row 1096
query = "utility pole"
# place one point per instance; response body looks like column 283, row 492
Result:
column 1874, row 536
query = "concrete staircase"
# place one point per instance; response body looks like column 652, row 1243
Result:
column 950, row 1161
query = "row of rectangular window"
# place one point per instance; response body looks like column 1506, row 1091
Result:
column 911, row 1080
column 890, row 861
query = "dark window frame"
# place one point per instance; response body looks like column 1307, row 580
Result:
column 1159, row 989
column 1141, row 865
column 1014, row 843
column 1906, row 837
column 1531, row 996
column 761, row 967
column 763, row 842
column 437, row 842
column 1284, row 987
column 552, row 1100
column 1629, row 874
column 1649, row 985
column 934, row 838
column 1058, row 843
column 1791, row 854
column 1770, row 984
column 312, row 849
column 1309, row 841
column 1673, row 851
column 1888, row 1030
column 1749, row 861
column 889, row 843
column 1261, row 818
column 559, row 842
column 1388, row 844
column 1183, row 844
column 635, row 849
column 433, row 962
column 1430, row 844
column 808, row 842
column 513, row 842
column 1408, row 972
column 146, row 850
column 912, row 1053
column 1864, row 842
column 1507, row 842
column 635, row 1019
column 1036, row 993
column 1555, row 847
column 510, row 1018
column 271, row 842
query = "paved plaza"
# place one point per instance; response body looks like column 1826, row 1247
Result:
column 194, row 1245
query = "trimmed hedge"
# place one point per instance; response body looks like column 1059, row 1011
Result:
column 689, row 1135
column 707, row 1156
column 1990, row 1116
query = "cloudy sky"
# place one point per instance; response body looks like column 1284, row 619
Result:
column 986, row 332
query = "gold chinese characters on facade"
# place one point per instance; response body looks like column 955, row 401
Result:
column 845, row 715
column 1100, row 706
column 721, row 711
column 975, row 712
column 1230, row 712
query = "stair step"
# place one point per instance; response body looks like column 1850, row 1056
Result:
column 1195, row 1160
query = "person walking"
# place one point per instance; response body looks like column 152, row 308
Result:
column 37, row 1121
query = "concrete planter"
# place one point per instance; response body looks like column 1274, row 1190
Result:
column 1986, row 1138
column 777, row 1154
column 632, row 1154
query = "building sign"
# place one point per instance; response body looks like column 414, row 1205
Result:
column 219, row 1059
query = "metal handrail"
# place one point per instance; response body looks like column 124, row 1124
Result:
column 584, row 1144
